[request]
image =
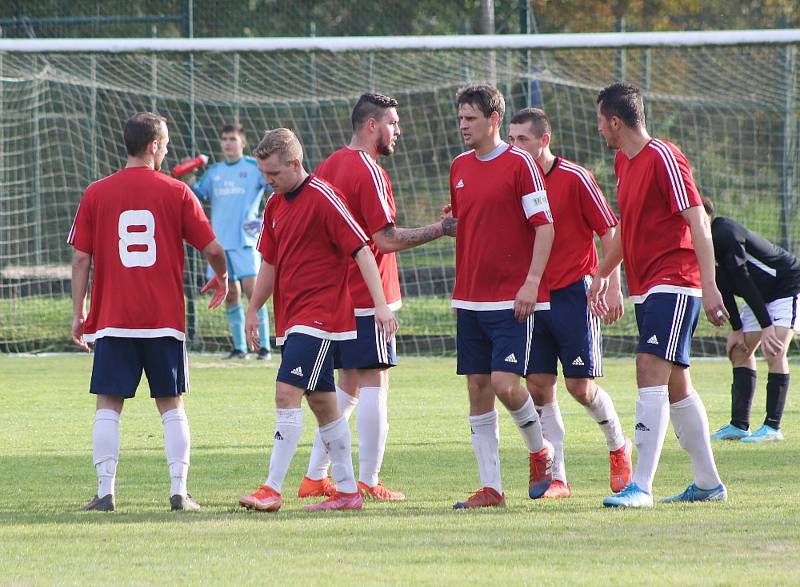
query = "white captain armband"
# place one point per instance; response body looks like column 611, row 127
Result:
column 534, row 203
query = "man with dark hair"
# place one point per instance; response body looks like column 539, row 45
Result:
column 235, row 189
column 564, row 328
column 505, row 232
column 767, row 277
column 131, row 226
column 665, row 241
column 364, row 363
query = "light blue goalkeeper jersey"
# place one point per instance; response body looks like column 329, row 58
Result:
column 234, row 191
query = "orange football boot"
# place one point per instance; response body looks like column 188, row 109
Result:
column 263, row 499
column 541, row 471
column 316, row 488
column 485, row 497
column 557, row 490
column 338, row 501
column 380, row 493
column 621, row 468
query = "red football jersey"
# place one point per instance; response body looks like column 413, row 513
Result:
column 309, row 237
column 133, row 223
column 579, row 211
column 654, row 187
column 368, row 191
column 498, row 201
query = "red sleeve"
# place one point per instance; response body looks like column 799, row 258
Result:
column 196, row 228
column 674, row 177
column 595, row 208
column 342, row 228
column 374, row 195
column 531, row 190
column 266, row 240
column 81, row 235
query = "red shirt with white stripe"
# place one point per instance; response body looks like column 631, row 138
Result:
column 654, row 187
column 368, row 191
column 579, row 211
column 133, row 224
column 498, row 200
column 309, row 236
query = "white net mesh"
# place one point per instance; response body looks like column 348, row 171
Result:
column 732, row 110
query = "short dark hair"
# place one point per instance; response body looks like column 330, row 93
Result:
column 538, row 119
column 141, row 129
column 623, row 101
column 484, row 97
column 708, row 204
column 235, row 127
column 370, row 105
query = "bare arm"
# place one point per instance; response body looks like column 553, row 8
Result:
column 614, row 293
column 384, row 317
column 700, row 228
column 392, row 238
column 525, row 302
column 81, row 264
column 262, row 290
column 215, row 255
column 612, row 257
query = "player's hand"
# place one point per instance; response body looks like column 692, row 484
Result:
column 219, row 283
column 771, row 344
column 713, row 306
column 736, row 342
column 251, row 329
column 77, row 333
column 525, row 301
column 385, row 321
column 597, row 296
column 449, row 226
column 615, row 305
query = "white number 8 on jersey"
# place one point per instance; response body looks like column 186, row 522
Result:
column 146, row 238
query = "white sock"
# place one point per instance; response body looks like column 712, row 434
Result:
column 105, row 449
column 177, row 443
column 690, row 422
column 486, row 445
column 319, row 461
column 553, row 430
column 529, row 426
column 336, row 436
column 372, row 423
column 652, row 420
column 288, row 428
column 602, row 411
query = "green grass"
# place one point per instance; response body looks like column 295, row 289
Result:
column 46, row 474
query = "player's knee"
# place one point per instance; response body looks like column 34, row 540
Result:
column 583, row 390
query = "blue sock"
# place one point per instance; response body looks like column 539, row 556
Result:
column 263, row 328
column 236, row 321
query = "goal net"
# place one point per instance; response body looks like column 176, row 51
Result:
column 730, row 101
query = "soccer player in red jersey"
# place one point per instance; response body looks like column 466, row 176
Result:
column 564, row 328
column 131, row 227
column 505, row 232
column 665, row 241
column 364, row 363
column 307, row 237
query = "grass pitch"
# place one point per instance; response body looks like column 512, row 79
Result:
column 46, row 475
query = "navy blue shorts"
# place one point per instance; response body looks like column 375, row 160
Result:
column 307, row 362
column 369, row 351
column 666, row 324
column 567, row 332
column 493, row 340
column 119, row 362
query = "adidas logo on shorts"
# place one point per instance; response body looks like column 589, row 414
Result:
column 652, row 340
column 578, row 362
column 511, row 358
column 297, row 371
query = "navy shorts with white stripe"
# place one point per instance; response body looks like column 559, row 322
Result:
column 666, row 324
column 307, row 363
column 369, row 351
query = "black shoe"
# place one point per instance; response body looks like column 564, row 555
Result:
column 180, row 503
column 264, row 354
column 235, row 354
column 100, row 504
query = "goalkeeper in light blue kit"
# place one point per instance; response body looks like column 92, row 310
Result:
column 235, row 188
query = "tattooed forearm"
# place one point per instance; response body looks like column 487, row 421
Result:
column 449, row 226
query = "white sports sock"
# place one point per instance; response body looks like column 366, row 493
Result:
column 553, row 430
column 105, row 449
column 319, row 461
column 177, row 443
column 372, row 423
column 486, row 445
column 652, row 420
column 336, row 436
column 288, row 428
column 691, row 427
column 529, row 426
column 602, row 411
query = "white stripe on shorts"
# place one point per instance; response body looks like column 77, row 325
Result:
column 323, row 350
column 675, row 331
